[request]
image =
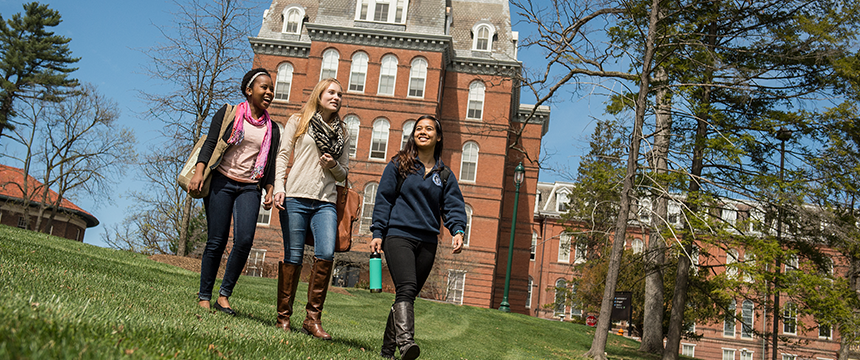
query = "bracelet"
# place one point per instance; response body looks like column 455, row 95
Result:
column 459, row 232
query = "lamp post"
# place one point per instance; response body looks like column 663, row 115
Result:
column 782, row 135
column 519, row 174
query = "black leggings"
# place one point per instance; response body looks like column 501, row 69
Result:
column 409, row 262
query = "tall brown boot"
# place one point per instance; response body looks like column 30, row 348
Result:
column 317, row 290
column 288, row 280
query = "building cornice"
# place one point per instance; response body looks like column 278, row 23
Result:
column 88, row 218
column 378, row 38
column 541, row 116
column 492, row 67
column 265, row 46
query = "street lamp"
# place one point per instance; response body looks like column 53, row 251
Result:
column 519, row 174
column 782, row 135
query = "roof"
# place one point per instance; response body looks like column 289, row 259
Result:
column 12, row 180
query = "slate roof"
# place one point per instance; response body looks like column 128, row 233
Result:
column 12, row 180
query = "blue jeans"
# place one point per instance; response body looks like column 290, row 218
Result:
column 302, row 214
column 227, row 199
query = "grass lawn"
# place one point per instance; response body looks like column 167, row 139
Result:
column 61, row 299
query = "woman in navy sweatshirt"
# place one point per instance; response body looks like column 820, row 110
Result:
column 415, row 190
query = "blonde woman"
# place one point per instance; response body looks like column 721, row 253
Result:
column 317, row 139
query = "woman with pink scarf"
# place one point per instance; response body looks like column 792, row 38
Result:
column 246, row 167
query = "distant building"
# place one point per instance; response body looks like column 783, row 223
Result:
column 397, row 61
column 70, row 221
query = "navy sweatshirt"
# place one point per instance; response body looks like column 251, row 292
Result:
column 415, row 212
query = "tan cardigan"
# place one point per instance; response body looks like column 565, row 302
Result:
column 307, row 178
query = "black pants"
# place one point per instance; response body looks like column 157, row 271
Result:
column 409, row 262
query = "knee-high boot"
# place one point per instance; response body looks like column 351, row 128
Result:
column 388, row 341
column 404, row 329
column 317, row 290
column 288, row 280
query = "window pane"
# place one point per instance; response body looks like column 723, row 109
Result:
column 476, row 100
column 468, row 225
column 469, row 162
column 379, row 139
column 284, row 80
column 483, row 38
column 367, row 208
column 381, row 12
column 329, row 64
column 729, row 322
column 417, row 76
column 747, row 318
column 564, row 248
column 560, row 298
column 456, row 284
column 387, row 75
column 529, row 295
column 352, row 125
column 358, row 72
column 291, row 23
column 407, row 132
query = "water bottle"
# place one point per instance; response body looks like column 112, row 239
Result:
column 375, row 272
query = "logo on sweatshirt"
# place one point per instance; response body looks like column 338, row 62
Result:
column 437, row 180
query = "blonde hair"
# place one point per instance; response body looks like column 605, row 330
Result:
column 312, row 106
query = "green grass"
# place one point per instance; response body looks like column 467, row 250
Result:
column 61, row 299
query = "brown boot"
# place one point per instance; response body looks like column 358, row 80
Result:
column 288, row 280
column 317, row 290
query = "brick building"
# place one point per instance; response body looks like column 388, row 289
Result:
column 70, row 221
column 554, row 252
column 398, row 60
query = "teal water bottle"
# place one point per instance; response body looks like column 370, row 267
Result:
column 375, row 272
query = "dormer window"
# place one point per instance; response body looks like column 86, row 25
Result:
column 389, row 11
column 293, row 17
column 482, row 37
column 562, row 201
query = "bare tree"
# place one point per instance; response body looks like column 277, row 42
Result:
column 202, row 57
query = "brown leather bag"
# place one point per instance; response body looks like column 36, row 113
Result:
column 348, row 205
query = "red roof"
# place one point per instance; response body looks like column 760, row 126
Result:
column 11, row 183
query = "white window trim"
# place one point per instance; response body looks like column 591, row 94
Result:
column 284, row 76
column 529, row 293
column 580, row 253
column 448, row 287
column 353, row 133
column 692, row 346
column 336, row 62
column 564, row 238
column 373, row 138
column 410, row 125
column 285, row 16
column 752, row 320
column 412, row 70
column 482, row 92
column 491, row 31
column 563, row 313
column 263, row 212
column 723, row 353
column 468, row 234
column 367, row 207
column 784, row 318
column 533, row 250
column 734, row 324
column 353, row 68
column 641, row 248
column 562, row 198
column 462, row 178
column 392, row 12
column 382, row 73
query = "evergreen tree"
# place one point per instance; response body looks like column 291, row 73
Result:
column 32, row 58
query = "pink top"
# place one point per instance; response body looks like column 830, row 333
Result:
column 238, row 161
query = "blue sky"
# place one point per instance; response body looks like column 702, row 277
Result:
column 110, row 36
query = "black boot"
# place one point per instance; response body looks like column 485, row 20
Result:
column 404, row 330
column 388, row 342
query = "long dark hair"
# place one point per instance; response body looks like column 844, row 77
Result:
column 406, row 158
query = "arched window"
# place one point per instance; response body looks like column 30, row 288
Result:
column 789, row 319
column 749, row 262
column 293, row 17
column 564, row 247
column 391, row 11
column 644, row 211
column 330, row 61
column 417, row 77
column 581, row 252
column 638, row 246
column 674, row 213
column 358, row 72
column 562, row 200
column 560, row 298
column 387, row 75
column 748, row 319
column 367, row 207
column 379, row 139
column 469, row 162
column 731, row 258
column 284, row 81
column 576, row 309
column 529, row 293
column 468, row 232
column 352, row 125
column 483, row 37
column 407, row 132
column 476, row 100
column 729, row 321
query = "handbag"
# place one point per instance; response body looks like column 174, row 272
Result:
column 190, row 167
column 348, row 205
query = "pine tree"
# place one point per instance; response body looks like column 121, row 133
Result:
column 31, row 57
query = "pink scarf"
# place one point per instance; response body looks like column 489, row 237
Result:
column 243, row 113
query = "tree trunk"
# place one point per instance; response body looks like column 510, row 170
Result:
column 598, row 346
column 652, row 324
column 182, row 242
